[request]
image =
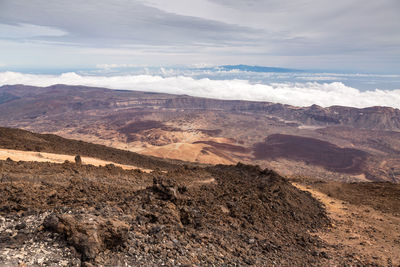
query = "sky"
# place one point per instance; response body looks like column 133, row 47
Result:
column 340, row 35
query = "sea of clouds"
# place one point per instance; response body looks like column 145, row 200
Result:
column 294, row 93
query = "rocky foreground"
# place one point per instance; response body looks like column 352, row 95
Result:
column 81, row 215
column 70, row 215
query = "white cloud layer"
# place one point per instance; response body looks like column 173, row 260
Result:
column 297, row 94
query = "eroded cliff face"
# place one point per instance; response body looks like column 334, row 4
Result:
column 382, row 118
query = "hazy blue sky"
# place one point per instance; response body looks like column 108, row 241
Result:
column 356, row 35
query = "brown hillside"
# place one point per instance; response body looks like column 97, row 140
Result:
column 23, row 140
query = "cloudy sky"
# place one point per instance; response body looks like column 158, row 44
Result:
column 346, row 35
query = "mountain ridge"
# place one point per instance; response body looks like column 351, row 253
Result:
column 375, row 117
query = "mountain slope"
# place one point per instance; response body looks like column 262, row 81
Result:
column 27, row 141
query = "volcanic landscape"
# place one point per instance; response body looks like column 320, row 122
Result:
column 100, row 177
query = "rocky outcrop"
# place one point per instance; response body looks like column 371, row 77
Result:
column 90, row 235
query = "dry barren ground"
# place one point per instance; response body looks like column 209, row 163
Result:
column 359, row 232
column 18, row 155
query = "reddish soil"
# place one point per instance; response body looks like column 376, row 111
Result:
column 312, row 151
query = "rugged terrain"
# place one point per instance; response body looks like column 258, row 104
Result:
column 68, row 214
column 363, row 143
column 183, row 214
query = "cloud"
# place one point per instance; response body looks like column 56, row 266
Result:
column 297, row 94
column 343, row 34
column 24, row 30
column 114, row 23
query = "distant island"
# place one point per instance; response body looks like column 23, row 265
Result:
column 257, row 68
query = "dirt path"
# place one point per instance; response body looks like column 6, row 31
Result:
column 359, row 232
column 18, row 155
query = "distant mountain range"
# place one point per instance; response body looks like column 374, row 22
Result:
column 257, row 68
